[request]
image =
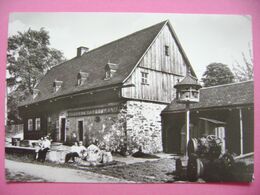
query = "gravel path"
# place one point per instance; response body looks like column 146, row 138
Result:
column 54, row 174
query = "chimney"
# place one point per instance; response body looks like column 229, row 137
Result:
column 81, row 50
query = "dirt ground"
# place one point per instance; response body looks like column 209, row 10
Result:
column 156, row 171
column 21, row 177
column 38, row 173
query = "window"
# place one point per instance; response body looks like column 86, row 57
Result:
column 166, row 50
column 56, row 88
column 108, row 74
column 81, row 81
column 144, row 77
column 82, row 77
column 37, row 124
column 110, row 69
column 57, row 85
column 30, row 124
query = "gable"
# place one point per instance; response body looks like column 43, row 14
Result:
column 170, row 61
column 163, row 64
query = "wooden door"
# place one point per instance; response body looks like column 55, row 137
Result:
column 62, row 130
column 80, row 130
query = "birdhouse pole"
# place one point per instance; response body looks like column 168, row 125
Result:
column 187, row 92
column 187, row 126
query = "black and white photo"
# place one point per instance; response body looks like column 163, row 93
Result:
column 129, row 98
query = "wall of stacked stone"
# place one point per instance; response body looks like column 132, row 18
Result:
column 137, row 124
column 107, row 131
column 144, row 126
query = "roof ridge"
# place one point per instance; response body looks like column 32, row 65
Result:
column 126, row 36
column 223, row 85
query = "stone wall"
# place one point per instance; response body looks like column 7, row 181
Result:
column 105, row 130
column 144, row 126
column 136, row 124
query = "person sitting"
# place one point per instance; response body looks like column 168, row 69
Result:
column 74, row 152
column 38, row 148
column 82, row 149
column 46, row 145
column 92, row 154
column 77, row 150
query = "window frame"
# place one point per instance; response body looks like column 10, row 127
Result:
column 37, row 124
column 144, row 78
column 81, row 79
column 56, row 88
column 57, row 85
column 30, row 124
column 166, row 50
column 108, row 74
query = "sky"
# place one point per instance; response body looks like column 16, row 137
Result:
column 205, row 38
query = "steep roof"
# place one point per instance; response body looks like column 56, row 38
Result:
column 124, row 54
column 234, row 94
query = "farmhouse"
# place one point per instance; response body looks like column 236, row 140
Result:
column 226, row 111
column 112, row 95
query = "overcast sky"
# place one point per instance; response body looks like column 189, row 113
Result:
column 205, row 38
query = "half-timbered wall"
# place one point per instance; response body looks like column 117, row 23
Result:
column 163, row 71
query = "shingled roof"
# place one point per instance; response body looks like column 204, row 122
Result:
column 125, row 52
column 187, row 81
column 235, row 94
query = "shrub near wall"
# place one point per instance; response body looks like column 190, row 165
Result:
column 115, row 139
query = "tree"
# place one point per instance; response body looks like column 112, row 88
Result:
column 245, row 71
column 217, row 74
column 29, row 56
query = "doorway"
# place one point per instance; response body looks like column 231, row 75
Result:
column 63, row 129
column 80, row 130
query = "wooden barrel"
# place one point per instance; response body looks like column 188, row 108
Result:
column 192, row 147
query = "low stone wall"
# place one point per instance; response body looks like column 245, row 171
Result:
column 57, row 156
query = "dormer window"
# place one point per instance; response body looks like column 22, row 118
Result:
column 57, row 85
column 81, row 78
column 166, row 50
column 35, row 93
column 110, row 69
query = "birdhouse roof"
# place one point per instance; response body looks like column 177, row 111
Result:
column 188, row 80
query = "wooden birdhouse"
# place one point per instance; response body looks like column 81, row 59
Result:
column 187, row 90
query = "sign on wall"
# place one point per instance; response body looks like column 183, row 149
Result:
column 94, row 111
